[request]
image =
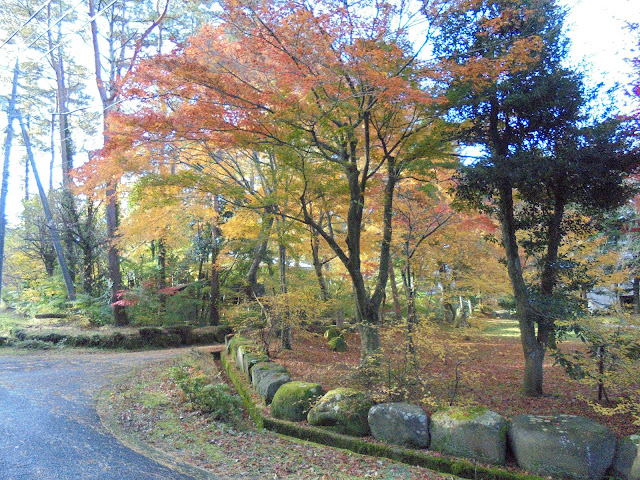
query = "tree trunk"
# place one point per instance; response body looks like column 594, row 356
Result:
column 317, row 265
column 285, row 320
column 5, row 167
column 120, row 318
column 259, row 251
column 395, row 294
column 88, row 250
column 533, row 349
column 162, row 264
column 71, row 291
column 636, row 294
column 66, row 147
column 214, row 312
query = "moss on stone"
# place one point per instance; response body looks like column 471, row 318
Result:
column 463, row 413
column 293, row 400
column 344, row 410
column 332, row 332
column 338, row 344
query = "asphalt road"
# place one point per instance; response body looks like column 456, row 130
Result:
column 49, row 428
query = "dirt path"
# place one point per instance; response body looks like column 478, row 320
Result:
column 49, row 428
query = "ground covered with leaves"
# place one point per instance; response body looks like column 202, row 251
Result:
column 150, row 405
column 469, row 368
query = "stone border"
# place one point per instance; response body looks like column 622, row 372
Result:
column 442, row 464
column 145, row 337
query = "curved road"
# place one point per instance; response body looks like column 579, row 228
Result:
column 49, row 428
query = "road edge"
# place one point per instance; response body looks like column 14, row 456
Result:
column 106, row 413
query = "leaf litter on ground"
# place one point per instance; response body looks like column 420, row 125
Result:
column 153, row 408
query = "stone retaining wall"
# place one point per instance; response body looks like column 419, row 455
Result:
column 562, row 446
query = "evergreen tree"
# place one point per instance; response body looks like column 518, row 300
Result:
column 544, row 160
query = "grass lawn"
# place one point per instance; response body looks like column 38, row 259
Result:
column 498, row 327
column 10, row 320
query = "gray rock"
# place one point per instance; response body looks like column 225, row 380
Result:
column 562, row 445
column 263, row 368
column 627, row 460
column 251, row 359
column 269, row 385
column 241, row 351
column 400, row 423
column 344, row 410
column 471, row 432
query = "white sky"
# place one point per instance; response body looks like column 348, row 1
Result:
column 600, row 41
column 601, row 46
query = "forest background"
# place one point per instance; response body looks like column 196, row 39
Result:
column 394, row 168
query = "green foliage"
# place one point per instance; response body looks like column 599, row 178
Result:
column 609, row 362
column 94, row 311
column 212, row 398
column 42, row 295
column 31, row 344
column 146, row 306
column 332, row 332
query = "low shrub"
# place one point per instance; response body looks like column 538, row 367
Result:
column 215, row 399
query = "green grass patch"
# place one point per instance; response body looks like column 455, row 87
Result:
column 10, row 320
column 501, row 328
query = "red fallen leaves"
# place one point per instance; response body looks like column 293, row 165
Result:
column 497, row 366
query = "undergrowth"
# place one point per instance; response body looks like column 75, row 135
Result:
column 207, row 395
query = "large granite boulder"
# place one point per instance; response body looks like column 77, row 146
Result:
column 400, row 423
column 562, row 445
column 293, row 400
column 627, row 460
column 251, row 359
column 265, row 368
column 343, row 410
column 234, row 342
column 267, row 378
column 471, row 432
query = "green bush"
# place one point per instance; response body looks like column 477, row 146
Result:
column 217, row 400
column 95, row 311
column 212, row 398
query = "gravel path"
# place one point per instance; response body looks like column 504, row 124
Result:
column 49, row 428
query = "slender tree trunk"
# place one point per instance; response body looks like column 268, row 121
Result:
column 534, row 350
column 546, row 326
column 11, row 114
column 259, row 251
column 66, row 148
column 285, row 322
column 397, row 309
column 214, row 311
column 120, row 318
column 87, row 247
column 45, row 205
column 317, row 265
column 162, row 264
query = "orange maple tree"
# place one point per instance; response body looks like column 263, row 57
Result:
column 334, row 91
